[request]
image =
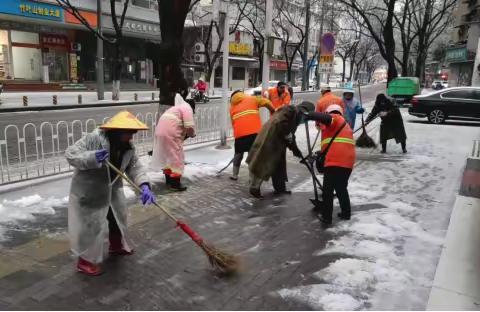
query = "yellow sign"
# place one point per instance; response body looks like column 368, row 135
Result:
column 326, row 59
column 240, row 48
column 38, row 10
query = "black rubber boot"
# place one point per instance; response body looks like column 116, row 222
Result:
column 255, row 192
column 343, row 216
column 167, row 179
column 176, row 185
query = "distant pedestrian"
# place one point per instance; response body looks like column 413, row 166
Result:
column 339, row 162
column 173, row 128
column 267, row 157
column 279, row 95
column 391, row 126
column 246, row 123
column 97, row 201
column 352, row 107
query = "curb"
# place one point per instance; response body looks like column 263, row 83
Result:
column 457, row 279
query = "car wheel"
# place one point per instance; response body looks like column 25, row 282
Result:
column 436, row 116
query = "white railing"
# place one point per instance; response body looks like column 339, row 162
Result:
column 37, row 150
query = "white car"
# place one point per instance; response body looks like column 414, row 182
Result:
column 258, row 90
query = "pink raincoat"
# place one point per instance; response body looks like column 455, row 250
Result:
column 172, row 128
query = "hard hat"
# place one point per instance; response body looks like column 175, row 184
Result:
column 334, row 108
column 348, row 91
column 124, row 120
column 325, row 87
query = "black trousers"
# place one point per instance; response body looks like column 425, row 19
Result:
column 336, row 179
column 403, row 143
column 279, row 176
column 113, row 228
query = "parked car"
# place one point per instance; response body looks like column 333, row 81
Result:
column 403, row 89
column 450, row 103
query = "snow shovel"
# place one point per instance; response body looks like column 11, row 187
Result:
column 224, row 168
column 219, row 260
column 317, row 203
column 364, row 140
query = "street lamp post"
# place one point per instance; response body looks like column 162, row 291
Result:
column 306, row 77
column 225, row 104
column 100, row 82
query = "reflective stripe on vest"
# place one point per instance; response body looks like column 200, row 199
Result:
column 246, row 112
column 338, row 140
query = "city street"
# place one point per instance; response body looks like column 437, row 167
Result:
column 384, row 258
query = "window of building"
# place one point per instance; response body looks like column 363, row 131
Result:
column 238, row 73
column 148, row 4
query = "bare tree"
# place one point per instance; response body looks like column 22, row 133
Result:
column 116, row 41
column 378, row 17
column 172, row 16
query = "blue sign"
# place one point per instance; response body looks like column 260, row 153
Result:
column 32, row 9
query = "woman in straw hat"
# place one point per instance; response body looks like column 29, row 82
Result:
column 173, row 128
column 97, row 201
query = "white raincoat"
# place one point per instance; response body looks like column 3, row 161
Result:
column 93, row 192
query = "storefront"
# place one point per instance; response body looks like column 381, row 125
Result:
column 461, row 63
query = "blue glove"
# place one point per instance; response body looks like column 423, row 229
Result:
column 147, row 195
column 360, row 110
column 101, row 155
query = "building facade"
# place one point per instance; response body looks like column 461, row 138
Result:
column 461, row 54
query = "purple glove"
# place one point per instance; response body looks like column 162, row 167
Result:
column 147, row 195
column 101, row 155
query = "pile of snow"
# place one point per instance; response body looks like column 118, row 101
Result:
column 25, row 209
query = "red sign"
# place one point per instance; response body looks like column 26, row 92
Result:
column 53, row 40
column 279, row 65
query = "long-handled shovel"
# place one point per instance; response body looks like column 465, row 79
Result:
column 224, row 168
column 219, row 260
column 317, row 203
column 364, row 140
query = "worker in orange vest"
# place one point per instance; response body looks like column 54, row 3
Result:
column 339, row 161
column 246, row 122
column 279, row 95
column 328, row 98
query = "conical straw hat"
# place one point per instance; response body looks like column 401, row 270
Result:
column 124, row 120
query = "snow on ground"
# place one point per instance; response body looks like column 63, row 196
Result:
column 25, row 208
column 388, row 252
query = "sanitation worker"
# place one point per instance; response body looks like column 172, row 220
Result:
column 173, row 128
column 279, row 95
column 246, row 123
column 352, row 107
column 267, row 157
column 97, row 200
column 391, row 126
column 327, row 98
column 339, row 161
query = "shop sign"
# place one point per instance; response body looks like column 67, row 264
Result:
column 32, row 9
column 278, row 65
column 53, row 40
column 142, row 27
column 456, row 55
column 240, row 48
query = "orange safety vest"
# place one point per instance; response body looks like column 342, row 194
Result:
column 327, row 100
column 277, row 100
column 245, row 117
column 342, row 151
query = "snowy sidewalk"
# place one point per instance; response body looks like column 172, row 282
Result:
column 382, row 259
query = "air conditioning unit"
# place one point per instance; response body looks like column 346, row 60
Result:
column 76, row 47
column 199, row 58
column 199, row 47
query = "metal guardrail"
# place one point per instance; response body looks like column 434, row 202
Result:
column 33, row 151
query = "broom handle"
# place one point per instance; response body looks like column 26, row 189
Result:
column 136, row 187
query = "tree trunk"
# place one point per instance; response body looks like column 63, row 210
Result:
column 351, row 70
column 389, row 39
column 172, row 15
column 344, row 67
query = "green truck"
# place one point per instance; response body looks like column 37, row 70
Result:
column 403, row 89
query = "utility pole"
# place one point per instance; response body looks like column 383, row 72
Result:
column 306, row 78
column 319, row 73
column 225, row 103
column 266, row 55
column 100, row 82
